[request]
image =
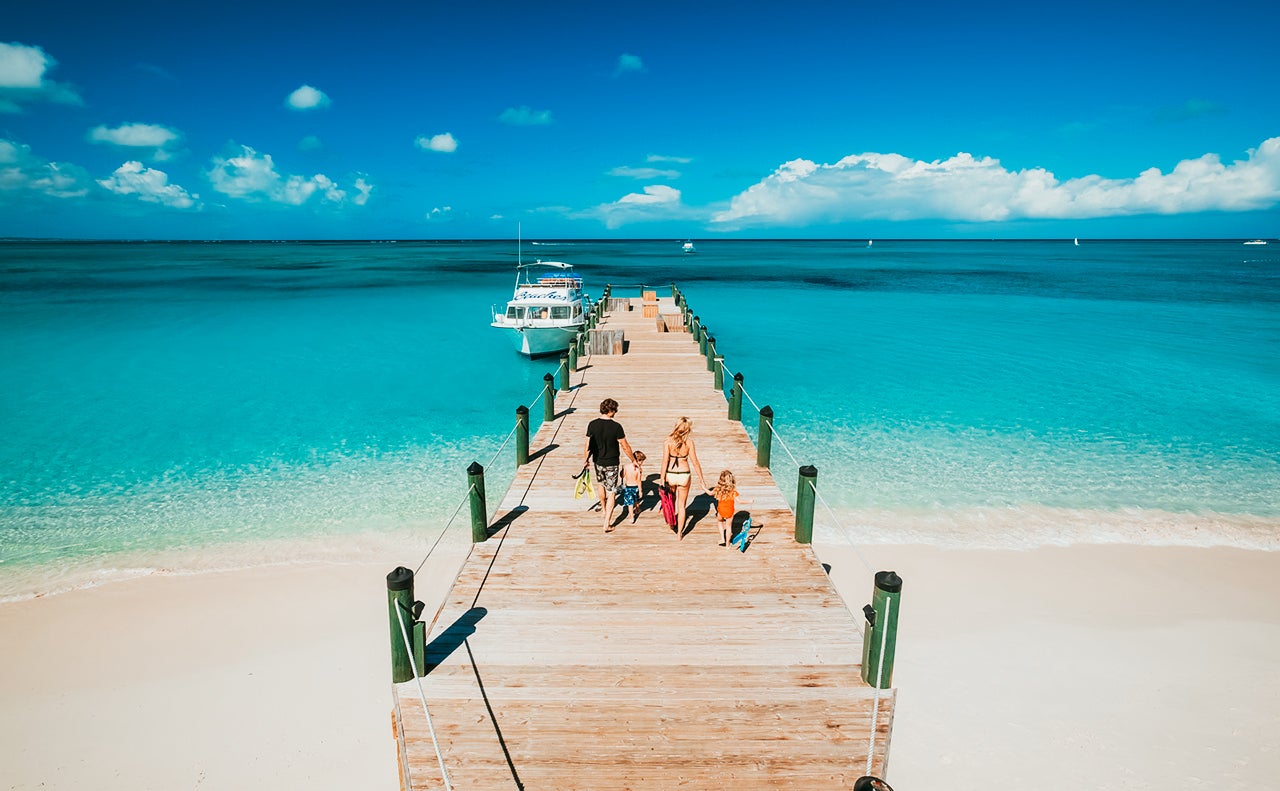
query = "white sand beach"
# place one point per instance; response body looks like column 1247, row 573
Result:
column 1100, row 667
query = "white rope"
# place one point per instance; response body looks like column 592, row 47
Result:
column 465, row 498
column 778, row 437
column 875, row 708
column 844, row 531
column 422, row 696
column 503, row 445
column 750, row 400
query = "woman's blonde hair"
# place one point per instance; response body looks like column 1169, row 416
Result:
column 683, row 427
column 725, row 486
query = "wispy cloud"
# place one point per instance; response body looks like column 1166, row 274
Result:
column 440, row 213
column 23, row 78
column 965, row 188
column 1192, row 108
column 307, row 98
column 363, row 190
column 23, row 172
column 444, row 143
column 251, row 176
column 656, row 202
column 150, row 185
column 524, row 116
column 655, row 158
column 161, row 139
column 644, row 173
column 310, row 143
column 628, row 64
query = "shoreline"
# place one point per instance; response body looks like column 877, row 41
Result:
column 1103, row 666
column 1025, row 528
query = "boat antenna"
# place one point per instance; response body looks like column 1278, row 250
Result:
column 519, row 260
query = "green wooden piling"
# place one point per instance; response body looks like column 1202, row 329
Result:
column 479, row 513
column 522, row 435
column 764, row 442
column 400, row 597
column 880, row 641
column 711, row 354
column 548, row 398
column 564, row 372
column 805, row 497
column 703, row 335
column 573, row 356
column 719, row 373
column 694, row 328
column 735, row 398
column 420, row 647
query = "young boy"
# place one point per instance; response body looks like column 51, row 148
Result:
column 632, row 480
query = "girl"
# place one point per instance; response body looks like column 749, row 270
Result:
column 632, row 480
column 679, row 462
column 727, row 499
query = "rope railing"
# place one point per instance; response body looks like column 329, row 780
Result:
column 447, row 525
column 494, row 457
column 422, row 696
column 843, row 530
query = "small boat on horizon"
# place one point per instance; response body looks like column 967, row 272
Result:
column 1255, row 241
column 688, row 247
column 1077, row 241
column 546, row 310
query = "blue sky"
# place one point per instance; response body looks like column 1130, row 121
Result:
column 631, row 120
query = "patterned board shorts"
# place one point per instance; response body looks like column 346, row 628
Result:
column 630, row 495
column 608, row 478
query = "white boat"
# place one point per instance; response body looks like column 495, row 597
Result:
column 688, row 247
column 1077, row 241
column 1255, row 241
column 546, row 310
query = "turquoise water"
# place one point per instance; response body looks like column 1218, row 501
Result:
column 206, row 397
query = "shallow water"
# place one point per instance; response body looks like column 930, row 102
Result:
column 163, row 398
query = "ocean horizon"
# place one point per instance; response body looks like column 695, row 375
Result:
column 186, row 406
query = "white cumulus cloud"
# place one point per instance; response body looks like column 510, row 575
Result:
column 656, row 202
column 160, row 138
column 628, row 64
column 363, row 189
column 253, row 176
column 524, row 116
column 644, row 173
column 966, row 188
column 660, row 158
column 23, row 172
column 148, row 184
column 23, row 78
column 307, row 98
column 443, row 142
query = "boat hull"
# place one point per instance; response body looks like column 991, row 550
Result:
column 541, row 341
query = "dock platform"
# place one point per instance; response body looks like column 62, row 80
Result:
column 568, row 658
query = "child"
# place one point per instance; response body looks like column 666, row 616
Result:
column 632, row 478
column 727, row 499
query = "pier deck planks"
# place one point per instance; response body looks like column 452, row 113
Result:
column 566, row 658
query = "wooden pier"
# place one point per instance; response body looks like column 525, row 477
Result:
column 567, row 658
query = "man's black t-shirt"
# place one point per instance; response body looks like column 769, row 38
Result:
column 604, row 434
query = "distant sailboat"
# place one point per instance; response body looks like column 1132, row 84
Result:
column 868, row 243
column 1077, row 241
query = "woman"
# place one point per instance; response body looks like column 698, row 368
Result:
column 679, row 462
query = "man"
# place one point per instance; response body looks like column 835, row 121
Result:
column 605, row 438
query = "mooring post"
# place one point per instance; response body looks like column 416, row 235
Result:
column 719, row 373
column 479, row 514
column 522, row 435
column 735, row 398
column 711, row 354
column 805, row 497
column 881, row 634
column 703, row 335
column 871, row 783
column 694, row 328
column 400, row 607
column 548, row 398
column 764, row 441
column 573, row 355
column 564, row 372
